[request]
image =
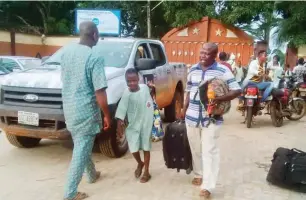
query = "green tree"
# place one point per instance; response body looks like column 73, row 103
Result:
column 292, row 26
column 180, row 13
column 40, row 17
column 246, row 14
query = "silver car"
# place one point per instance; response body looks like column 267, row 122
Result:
column 10, row 64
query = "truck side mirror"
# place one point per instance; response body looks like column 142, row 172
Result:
column 145, row 64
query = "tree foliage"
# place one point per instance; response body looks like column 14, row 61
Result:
column 247, row 14
column 180, row 13
column 57, row 17
column 292, row 26
column 40, row 17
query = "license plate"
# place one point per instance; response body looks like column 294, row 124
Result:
column 302, row 89
column 28, row 118
column 250, row 102
column 251, row 97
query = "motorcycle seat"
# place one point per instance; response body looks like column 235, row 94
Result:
column 277, row 92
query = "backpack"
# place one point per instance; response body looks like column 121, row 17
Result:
column 220, row 88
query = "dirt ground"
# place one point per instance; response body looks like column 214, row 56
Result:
column 40, row 173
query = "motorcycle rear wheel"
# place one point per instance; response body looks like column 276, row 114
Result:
column 300, row 106
column 276, row 115
column 249, row 117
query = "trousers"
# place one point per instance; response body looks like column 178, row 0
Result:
column 81, row 161
column 205, row 154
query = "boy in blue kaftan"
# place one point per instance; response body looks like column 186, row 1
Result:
column 136, row 104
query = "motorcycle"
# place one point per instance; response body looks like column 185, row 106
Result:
column 298, row 89
column 252, row 103
column 279, row 104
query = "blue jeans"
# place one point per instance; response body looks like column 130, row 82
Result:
column 266, row 86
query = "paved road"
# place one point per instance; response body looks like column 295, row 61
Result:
column 39, row 174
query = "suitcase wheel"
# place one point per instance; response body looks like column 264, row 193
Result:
column 188, row 171
column 178, row 170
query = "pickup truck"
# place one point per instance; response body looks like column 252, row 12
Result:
column 31, row 100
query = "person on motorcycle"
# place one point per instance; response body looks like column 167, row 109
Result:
column 300, row 71
column 256, row 75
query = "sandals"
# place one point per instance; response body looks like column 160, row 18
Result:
column 205, row 194
column 138, row 171
column 145, row 178
column 79, row 196
column 98, row 174
column 197, row 181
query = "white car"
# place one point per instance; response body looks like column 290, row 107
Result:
column 10, row 64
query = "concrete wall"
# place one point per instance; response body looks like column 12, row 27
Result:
column 30, row 45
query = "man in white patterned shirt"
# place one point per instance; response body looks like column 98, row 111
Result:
column 300, row 71
column 203, row 138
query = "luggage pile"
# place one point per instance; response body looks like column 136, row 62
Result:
column 288, row 169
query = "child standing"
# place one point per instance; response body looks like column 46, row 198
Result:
column 136, row 103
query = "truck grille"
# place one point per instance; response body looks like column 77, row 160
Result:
column 43, row 123
column 47, row 98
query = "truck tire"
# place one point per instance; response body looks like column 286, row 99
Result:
column 172, row 111
column 21, row 141
column 110, row 145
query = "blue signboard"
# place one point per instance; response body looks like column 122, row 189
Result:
column 107, row 21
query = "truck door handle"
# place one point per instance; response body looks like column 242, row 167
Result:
column 168, row 71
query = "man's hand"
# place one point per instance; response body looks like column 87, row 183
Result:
column 185, row 107
column 101, row 98
column 228, row 97
column 106, row 123
column 182, row 114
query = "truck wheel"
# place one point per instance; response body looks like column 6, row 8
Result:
column 110, row 144
column 21, row 141
column 174, row 109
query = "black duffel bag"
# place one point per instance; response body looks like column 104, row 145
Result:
column 288, row 169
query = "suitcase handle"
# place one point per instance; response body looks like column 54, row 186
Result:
column 297, row 150
column 180, row 121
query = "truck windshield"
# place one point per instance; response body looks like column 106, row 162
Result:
column 115, row 53
column 30, row 63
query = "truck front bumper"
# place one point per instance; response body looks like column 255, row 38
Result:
column 51, row 123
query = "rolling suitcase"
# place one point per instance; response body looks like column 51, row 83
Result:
column 176, row 149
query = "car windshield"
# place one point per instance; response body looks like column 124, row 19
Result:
column 115, row 53
column 4, row 70
column 30, row 63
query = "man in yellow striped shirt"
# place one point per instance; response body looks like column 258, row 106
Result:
column 256, row 75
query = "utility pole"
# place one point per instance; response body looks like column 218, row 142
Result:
column 149, row 19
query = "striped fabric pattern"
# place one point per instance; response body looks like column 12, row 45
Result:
column 258, row 79
column 196, row 114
